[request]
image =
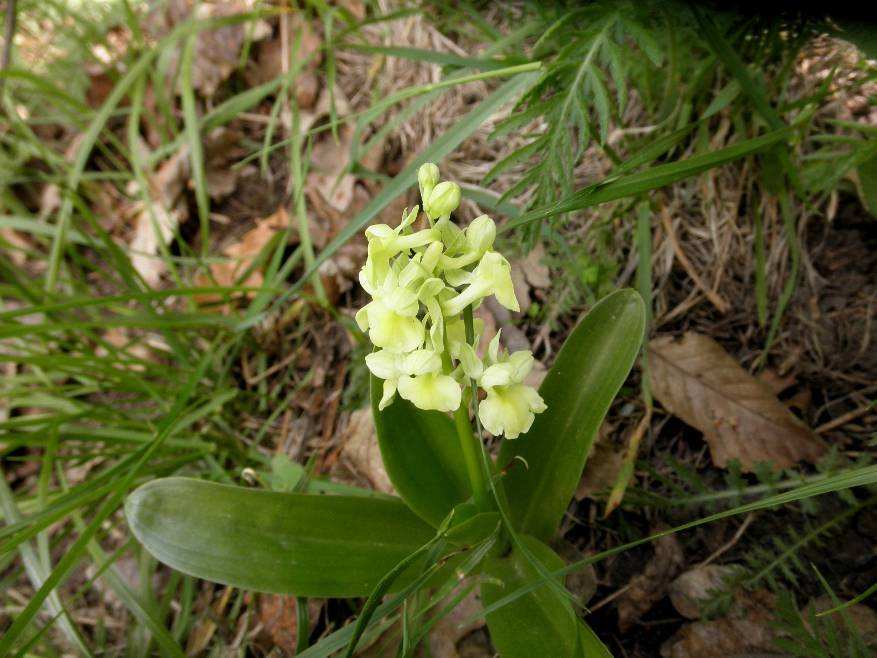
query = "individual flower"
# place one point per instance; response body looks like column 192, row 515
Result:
column 475, row 241
column 418, row 378
column 427, row 178
column 492, row 276
column 510, row 406
column 431, row 391
column 413, row 367
column 385, row 243
column 391, row 317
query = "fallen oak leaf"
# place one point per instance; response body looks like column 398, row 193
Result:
column 454, row 626
column 278, row 616
column 361, row 449
column 696, row 380
column 537, row 273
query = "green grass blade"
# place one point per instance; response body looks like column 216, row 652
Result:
column 441, row 147
column 75, row 551
column 619, row 187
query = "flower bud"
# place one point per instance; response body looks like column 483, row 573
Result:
column 480, row 234
column 443, row 200
column 427, row 178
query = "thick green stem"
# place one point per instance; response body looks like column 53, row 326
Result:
column 468, row 441
column 470, row 456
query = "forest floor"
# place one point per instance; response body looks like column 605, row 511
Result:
column 732, row 587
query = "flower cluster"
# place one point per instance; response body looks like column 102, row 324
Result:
column 420, row 281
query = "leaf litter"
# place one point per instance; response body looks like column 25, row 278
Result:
column 740, row 417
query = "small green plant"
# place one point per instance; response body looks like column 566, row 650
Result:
column 459, row 513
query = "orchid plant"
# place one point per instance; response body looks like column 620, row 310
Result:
column 463, row 518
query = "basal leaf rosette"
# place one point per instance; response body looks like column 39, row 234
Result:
column 421, row 276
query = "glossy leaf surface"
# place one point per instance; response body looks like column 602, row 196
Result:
column 539, row 623
column 589, row 370
column 292, row 543
column 422, row 456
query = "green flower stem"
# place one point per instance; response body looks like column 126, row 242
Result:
column 473, row 463
column 467, row 440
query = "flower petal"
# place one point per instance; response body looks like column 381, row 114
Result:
column 432, row 391
column 389, row 392
column 384, row 364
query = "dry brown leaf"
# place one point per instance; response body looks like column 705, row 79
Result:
column 719, row 638
column 648, row 587
column 581, row 583
column 329, row 159
column 241, row 255
column 521, row 286
column 361, row 449
column 696, row 380
column 863, row 618
column 696, row 586
column 601, row 469
column 222, row 148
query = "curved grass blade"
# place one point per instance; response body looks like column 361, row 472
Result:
column 616, row 187
column 541, row 623
column 858, row 477
column 374, row 599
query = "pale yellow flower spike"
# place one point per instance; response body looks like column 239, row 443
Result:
column 420, row 281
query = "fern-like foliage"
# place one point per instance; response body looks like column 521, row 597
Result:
column 780, row 560
column 804, row 634
column 589, row 67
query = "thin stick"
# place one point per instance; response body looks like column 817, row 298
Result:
column 840, row 421
column 730, row 544
column 609, row 599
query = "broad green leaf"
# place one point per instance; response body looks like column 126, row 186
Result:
column 303, row 544
column 540, row 623
column 469, row 527
column 590, row 368
column 867, row 174
column 591, row 646
column 422, row 455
